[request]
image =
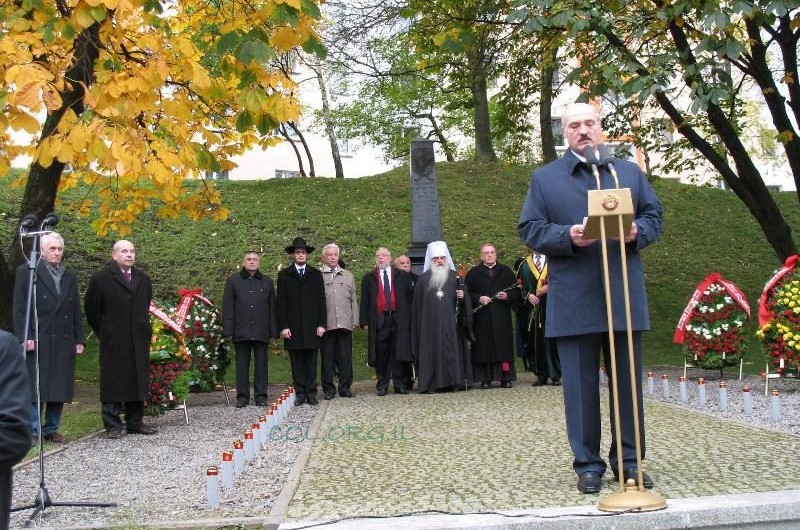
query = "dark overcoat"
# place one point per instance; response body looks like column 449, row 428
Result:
column 492, row 324
column 404, row 293
column 60, row 329
column 249, row 308
column 301, row 307
column 556, row 200
column 15, row 416
column 118, row 312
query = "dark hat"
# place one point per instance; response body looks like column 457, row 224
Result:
column 299, row 242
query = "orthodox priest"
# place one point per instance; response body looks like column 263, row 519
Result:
column 493, row 289
column 441, row 320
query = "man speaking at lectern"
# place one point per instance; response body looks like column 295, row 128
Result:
column 552, row 223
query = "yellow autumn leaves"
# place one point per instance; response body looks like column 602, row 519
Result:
column 139, row 100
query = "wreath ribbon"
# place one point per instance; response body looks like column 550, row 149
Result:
column 764, row 314
column 161, row 315
column 714, row 277
column 188, row 297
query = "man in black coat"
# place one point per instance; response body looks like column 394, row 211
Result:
column 15, row 417
column 117, row 307
column 386, row 294
column 492, row 287
column 60, row 330
column 302, row 316
column 248, row 318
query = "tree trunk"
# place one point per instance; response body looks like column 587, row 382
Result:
column 311, row 171
column 545, row 105
column 484, row 150
column 439, row 135
column 329, row 130
column 282, row 131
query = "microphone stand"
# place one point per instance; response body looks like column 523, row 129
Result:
column 42, row 501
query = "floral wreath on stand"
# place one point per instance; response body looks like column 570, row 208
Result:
column 168, row 361
column 779, row 319
column 712, row 325
column 201, row 323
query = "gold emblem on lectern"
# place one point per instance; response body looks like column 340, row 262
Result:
column 610, row 202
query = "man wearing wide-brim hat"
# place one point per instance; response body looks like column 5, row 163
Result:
column 302, row 317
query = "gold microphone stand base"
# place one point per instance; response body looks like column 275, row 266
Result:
column 634, row 499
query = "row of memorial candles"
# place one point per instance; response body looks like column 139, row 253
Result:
column 234, row 461
column 747, row 398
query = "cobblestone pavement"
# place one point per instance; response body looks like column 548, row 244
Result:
column 495, row 449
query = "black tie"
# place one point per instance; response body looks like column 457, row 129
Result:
column 302, row 271
column 387, row 293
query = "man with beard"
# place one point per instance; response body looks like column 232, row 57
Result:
column 386, row 315
column 441, row 319
column 493, row 290
column 302, row 317
column 117, row 308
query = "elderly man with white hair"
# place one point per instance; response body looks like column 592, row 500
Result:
column 442, row 315
column 60, row 333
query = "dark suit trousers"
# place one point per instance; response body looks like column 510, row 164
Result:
column 304, row 373
column 580, row 365
column 134, row 412
column 243, row 349
column 386, row 364
column 337, row 352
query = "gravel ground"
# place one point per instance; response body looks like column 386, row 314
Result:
column 161, row 478
column 761, row 415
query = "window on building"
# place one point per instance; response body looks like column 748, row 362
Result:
column 217, row 175
column 286, row 174
column 558, row 131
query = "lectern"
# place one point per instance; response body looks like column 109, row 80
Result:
column 610, row 213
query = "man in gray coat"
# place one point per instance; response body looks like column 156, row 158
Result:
column 552, row 223
column 60, row 327
column 248, row 318
column 342, row 308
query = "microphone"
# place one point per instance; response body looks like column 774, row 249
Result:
column 607, row 160
column 591, row 159
column 50, row 220
column 27, row 222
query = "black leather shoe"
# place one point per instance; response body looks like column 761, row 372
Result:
column 382, row 392
column 328, row 397
column 556, row 382
column 312, row 401
column 485, row 385
column 589, row 482
column 299, row 401
column 261, row 403
column 347, row 393
column 400, row 390
column 506, row 384
column 631, row 473
column 146, row 430
column 241, row 404
column 540, row 381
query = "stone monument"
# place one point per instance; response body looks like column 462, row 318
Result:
column 426, row 225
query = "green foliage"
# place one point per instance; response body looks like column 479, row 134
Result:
column 479, row 202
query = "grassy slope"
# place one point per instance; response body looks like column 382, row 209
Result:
column 706, row 230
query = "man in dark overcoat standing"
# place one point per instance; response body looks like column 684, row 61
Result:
column 60, row 330
column 552, row 222
column 492, row 289
column 386, row 296
column 248, row 318
column 15, row 417
column 117, row 308
column 302, row 316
